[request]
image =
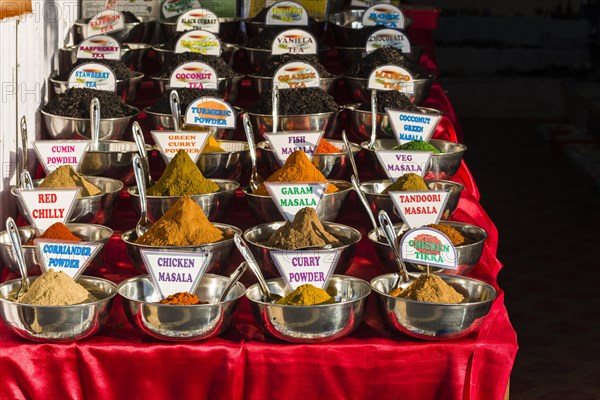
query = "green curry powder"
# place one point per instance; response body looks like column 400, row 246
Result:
column 418, row 145
column 182, row 177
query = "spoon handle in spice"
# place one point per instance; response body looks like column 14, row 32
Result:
column 13, row 233
column 95, row 122
column 175, row 109
column 350, row 154
column 23, row 148
column 138, row 137
column 365, row 203
column 390, row 235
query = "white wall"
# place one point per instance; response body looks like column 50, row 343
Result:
column 33, row 42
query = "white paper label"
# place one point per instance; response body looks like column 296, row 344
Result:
column 72, row 258
column 285, row 143
column 426, row 246
column 420, row 208
column 175, row 271
column 409, row 126
column 194, row 75
column 170, row 142
column 287, row 13
column 293, row 197
column 294, row 41
column 198, row 19
column 201, row 42
column 173, row 8
column 387, row 38
column 383, row 14
column 105, row 22
column 44, row 207
column 296, row 74
column 56, row 153
column 306, row 266
column 392, row 77
column 210, row 111
column 99, row 47
column 399, row 162
column 93, row 76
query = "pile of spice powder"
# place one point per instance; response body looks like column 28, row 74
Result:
column 407, row 183
column 182, row 299
column 65, row 177
column 430, row 288
column 418, row 145
column 455, row 236
column 184, row 224
column 56, row 231
column 212, row 146
column 306, row 230
column 182, row 177
column 297, row 102
column 275, row 62
column 306, row 295
column 75, row 103
column 55, row 289
column 391, row 99
column 222, row 69
column 324, row 147
column 297, row 169
column 385, row 56
column 186, row 96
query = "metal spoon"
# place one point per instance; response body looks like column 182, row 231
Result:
column 349, row 150
column 144, row 223
column 363, row 200
column 13, row 233
column 247, row 254
column 373, row 118
column 95, row 123
column 390, row 235
column 138, row 137
column 237, row 274
column 175, row 109
column 275, row 110
column 255, row 179
column 26, row 181
column 23, row 148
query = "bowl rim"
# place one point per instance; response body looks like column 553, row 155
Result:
column 160, row 47
column 163, row 115
column 289, row 306
column 348, row 187
column 482, row 231
column 80, row 119
column 254, row 76
column 460, row 186
column 356, row 78
column 355, row 147
column 149, row 148
column 449, row 305
column 314, row 22
column 216, row 224
column 323, row 114
column 461, row 148
column 146, row 276
column 354, row 108
column 80, row 305
column 31, row 228
column 130, row 190
column 120, row 185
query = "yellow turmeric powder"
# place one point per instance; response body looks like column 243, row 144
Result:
column 212, row 146
column 306, row 295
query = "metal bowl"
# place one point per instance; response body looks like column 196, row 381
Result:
column 64, row 128
column 179, row 323
column 162, row 122
column 468, row 255
column 263, row 208
column 229, row 28
column 134, row 32
column 258, row 58
column 87, row 232
column 359, row 121
column 57, row 323
column 227, row 87
column 359, row 92
column 312, row 324
column 441, row 166
column 126, row 88
column 379, row 201
column 112, row 159
column 257, row 235
column 333, row 165
column 264, row 84
column 327, row 122
column 228, row 51
column 435, row 321
column 214, row 205
column 351, row 56
column 221, row 250
column 92, row 209
column 253, row 28
column 131, row 56
column 232, row 164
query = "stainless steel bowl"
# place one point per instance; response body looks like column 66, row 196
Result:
column 360, row 125
column 264, row 84
column 359, row 92
column 131, row 56
column 312, row 324
column 379, row 201
column 229, row 28
column 351, row 56
column 435, row 321
column 333, row 166
column 327, row 122
column 92, row 209
column 214, row 205
column 258, row 235
column 441, row 166
column 258, row 58
column 126, row 88
column 63, row 128
column 112, row 159
column 228, row 51
column 263, row 208
column 57, row 323
column 179, row 323
column 134, row 32
column 468, row 255
column 227, row 87
column 220, row 250
column 253, row 28
column 161, row 122
column 87, row 232
column 232, row 164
